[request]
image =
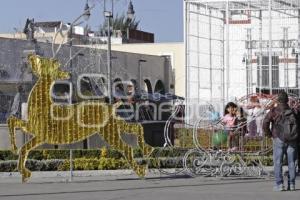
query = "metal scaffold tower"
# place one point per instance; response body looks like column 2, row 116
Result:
column 236, row 48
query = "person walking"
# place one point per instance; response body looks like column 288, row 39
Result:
column 281, row 124
column 296, row 108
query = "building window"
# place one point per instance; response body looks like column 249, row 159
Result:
column 265, row 72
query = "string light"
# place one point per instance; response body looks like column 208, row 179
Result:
column 51, row 123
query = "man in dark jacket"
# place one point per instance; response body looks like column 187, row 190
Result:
column 296, row 108
column 280, row 145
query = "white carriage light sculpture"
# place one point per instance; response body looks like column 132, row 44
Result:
column 206, row 160
column 174, row 159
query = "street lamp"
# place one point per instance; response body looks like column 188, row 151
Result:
column 109, row 15
column 130, row 11
column 130, row 16
column 140, row 72
column 87, row 13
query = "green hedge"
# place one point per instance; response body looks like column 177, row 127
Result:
column 34, row 165
column 84, row 164
column 62, row 154
column 94, row 164
column 84, row 153
column 98, row 164
column 7, row 155
column 104, row 159
column 64, row 165
column 58, row 160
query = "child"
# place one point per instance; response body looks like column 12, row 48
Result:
column 213, row 115
column 241, row 129
column 230, row 121
column 242, row 122
column 251, row 111
column 260, row 115
column 254, row 117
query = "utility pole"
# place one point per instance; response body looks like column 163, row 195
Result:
column 109, row 16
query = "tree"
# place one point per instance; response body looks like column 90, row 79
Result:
column 120, row 23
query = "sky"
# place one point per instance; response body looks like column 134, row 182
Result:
column 164, row 18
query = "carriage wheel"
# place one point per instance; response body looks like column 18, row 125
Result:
column 225, row 169
column 238, row 168
column 196, row 162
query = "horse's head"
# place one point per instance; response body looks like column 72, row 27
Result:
column 47, row 67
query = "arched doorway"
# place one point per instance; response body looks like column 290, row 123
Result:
column 159, row 87
column 147, row 86
column 118, row 88
column 131, row 87
column 134, row 83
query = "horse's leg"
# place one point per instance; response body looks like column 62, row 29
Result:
column 14, row 123
column 138, row 130
column 127, row 151
column 25, row 149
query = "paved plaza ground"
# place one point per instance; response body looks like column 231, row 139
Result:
column 126, row 186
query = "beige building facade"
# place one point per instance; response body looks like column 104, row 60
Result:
column 175, row 51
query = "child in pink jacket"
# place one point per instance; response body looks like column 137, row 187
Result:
column 230, row 121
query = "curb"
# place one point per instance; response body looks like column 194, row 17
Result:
column 49, row 174
column 90, row 173
column 97, row 173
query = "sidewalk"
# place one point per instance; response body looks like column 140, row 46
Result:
column 65, row 176
column 125, row 185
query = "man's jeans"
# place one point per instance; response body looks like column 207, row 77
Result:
column 279, row 149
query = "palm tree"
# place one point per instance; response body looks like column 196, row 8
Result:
column 120, row 23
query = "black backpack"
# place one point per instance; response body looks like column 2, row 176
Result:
column 287, row 126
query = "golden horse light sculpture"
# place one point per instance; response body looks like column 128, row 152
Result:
column 51, row 123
